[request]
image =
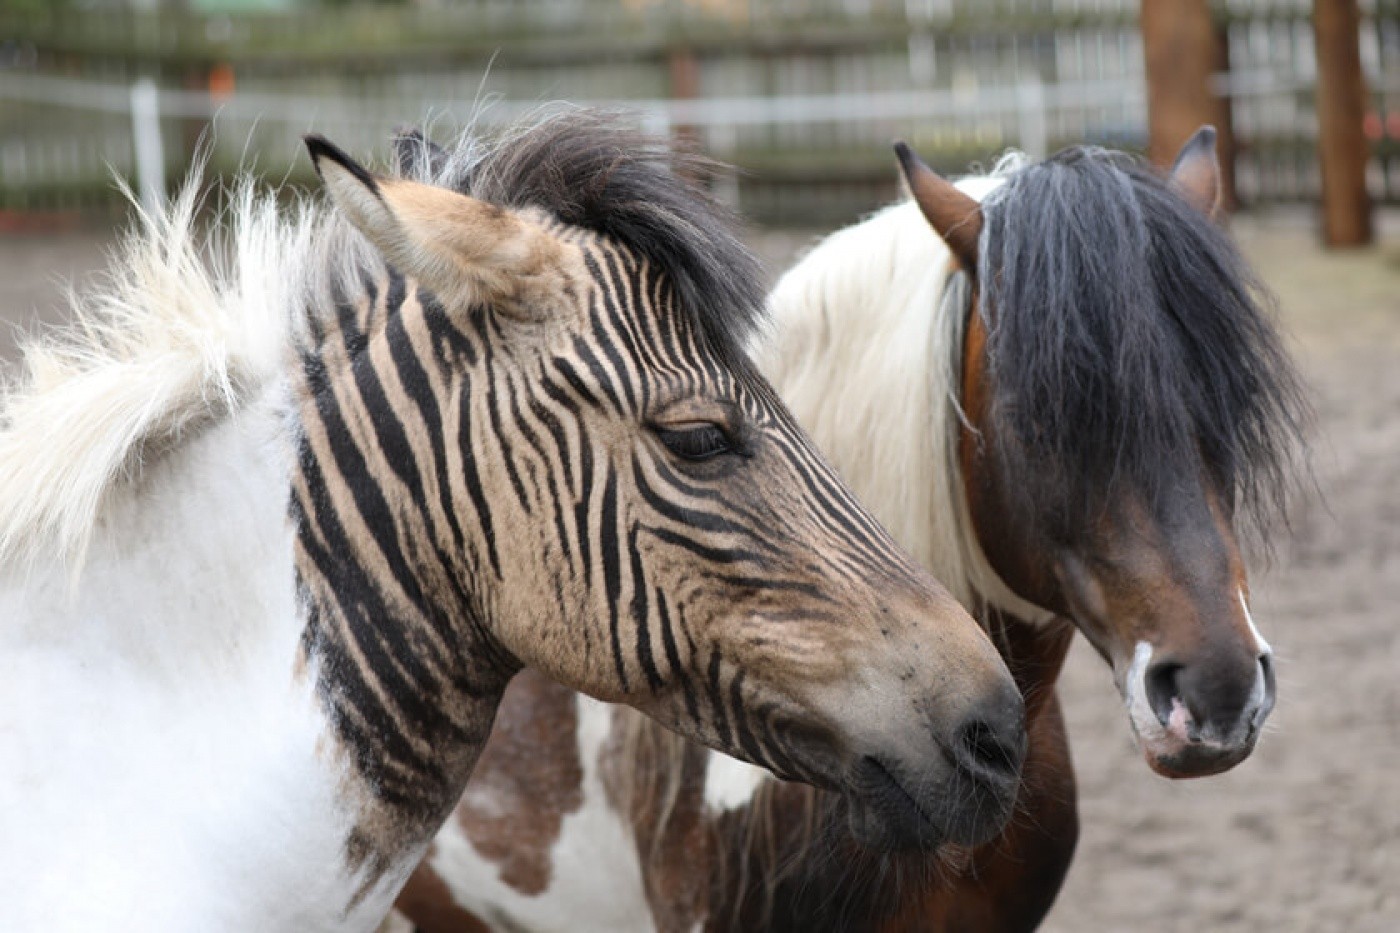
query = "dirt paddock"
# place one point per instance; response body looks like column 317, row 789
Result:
column 1305, row 836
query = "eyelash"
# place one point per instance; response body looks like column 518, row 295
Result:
column 699, row 443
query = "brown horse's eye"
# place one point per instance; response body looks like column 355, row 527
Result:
column 699, row 442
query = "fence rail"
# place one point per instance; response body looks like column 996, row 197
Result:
column 804, row 95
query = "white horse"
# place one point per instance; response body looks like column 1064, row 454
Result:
column 283, row 516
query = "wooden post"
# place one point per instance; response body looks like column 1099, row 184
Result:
column 1181, row 49
column 1224, row 120
column 1341, row 106
column 684, row 72
column 1184, row 47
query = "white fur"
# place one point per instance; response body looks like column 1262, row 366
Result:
column 863, row 348
column 730, row 783
column 168, row 345
column 596, row 879
column 1262, row 649
column 160, row 767
column 1261, row 646
column 163, row 766
column 1134, row 688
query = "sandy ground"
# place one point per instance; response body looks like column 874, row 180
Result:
column 1305, row 836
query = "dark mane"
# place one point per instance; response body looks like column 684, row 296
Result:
column 1129, row 342
column 592, row 169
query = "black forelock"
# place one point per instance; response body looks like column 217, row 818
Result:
column 593, row 169
column 1128, row 342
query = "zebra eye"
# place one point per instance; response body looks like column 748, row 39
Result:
column 696, row 442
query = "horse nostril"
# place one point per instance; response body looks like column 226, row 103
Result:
column 1162, row 688
column 988, row 753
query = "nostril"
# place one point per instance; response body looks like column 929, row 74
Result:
column 1266, row 706
column 982, row 750
column 1162, row 688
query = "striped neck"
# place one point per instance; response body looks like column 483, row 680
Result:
column 388, row 568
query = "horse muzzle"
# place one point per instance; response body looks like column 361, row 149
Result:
column 1195, row 721
column 964, row 794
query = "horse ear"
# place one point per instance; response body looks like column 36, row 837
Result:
column 953, row 215
column 1196, row 173
column 463, row 250
column 415, row 154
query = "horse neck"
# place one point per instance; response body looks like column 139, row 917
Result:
column 389, row 565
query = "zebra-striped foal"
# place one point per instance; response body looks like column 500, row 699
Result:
column 263, row 582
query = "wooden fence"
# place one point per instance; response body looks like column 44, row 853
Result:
column 803, row 95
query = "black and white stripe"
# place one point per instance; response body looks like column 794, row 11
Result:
column 469, row 483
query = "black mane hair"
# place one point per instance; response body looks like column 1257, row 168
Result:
column 1128, row 342
column 592, row 169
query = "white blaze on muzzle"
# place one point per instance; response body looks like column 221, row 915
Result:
column 1262, row 645
column 1146, row 727
column 1261, row 684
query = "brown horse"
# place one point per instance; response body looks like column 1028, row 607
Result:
column 1057, row 387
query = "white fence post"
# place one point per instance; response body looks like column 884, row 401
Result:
column 150, row 151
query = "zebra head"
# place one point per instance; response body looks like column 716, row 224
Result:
column 622, row 502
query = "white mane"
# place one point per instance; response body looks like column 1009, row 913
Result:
column 866, row 349
column 188, row 324
column 184, row 328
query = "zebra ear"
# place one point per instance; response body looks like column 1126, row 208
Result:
column 465, row 251
column 1196, row 173
column 953, row 215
